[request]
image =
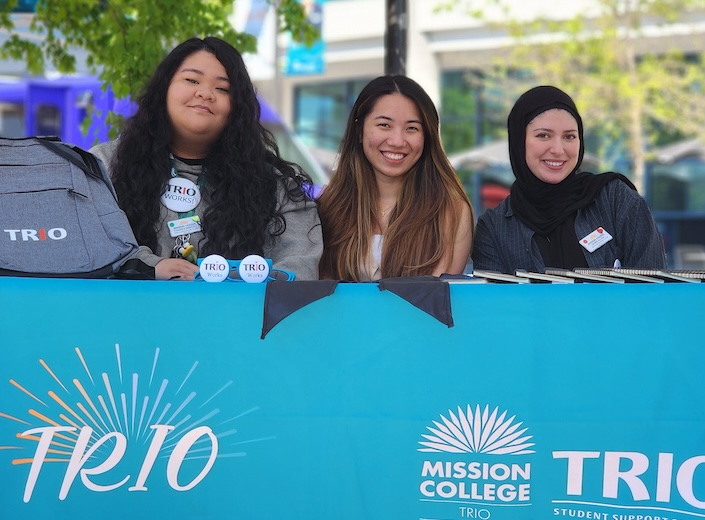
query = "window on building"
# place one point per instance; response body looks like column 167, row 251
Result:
column 473, row 110
column 679, row 186
column 321, row 111
column 11, row 120
column 473, row 117
column 47, row 119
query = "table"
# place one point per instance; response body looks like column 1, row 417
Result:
column 125, row 399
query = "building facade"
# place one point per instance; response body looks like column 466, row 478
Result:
column 445, row 48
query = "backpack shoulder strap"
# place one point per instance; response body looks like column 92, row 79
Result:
column 79, row 157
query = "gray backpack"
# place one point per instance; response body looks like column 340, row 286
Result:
column 59, row 214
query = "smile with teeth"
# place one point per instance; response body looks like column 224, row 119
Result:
column 554, row 164
column 393, row 156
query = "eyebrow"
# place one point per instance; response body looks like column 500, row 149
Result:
column 200, row 73
column 552, row 130
column 387, row 118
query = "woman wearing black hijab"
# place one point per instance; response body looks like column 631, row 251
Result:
column 556, row 215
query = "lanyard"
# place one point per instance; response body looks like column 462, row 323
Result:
column 182, row 247
column 174, row 173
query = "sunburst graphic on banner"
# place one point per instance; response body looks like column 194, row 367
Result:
column 480, row 431
column 105, row 407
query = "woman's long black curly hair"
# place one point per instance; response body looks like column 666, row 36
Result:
column 243, row 166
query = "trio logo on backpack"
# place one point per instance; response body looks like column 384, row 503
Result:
column 36, row 235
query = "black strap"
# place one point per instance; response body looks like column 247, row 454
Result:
column 80, row 157
column 86, row 162
column 134, row 269
column 103, row 272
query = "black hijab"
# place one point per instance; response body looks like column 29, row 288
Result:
column 542, row 206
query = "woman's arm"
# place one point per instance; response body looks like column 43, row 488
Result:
column 175, row 269
column 300, row 247
column 486, row 253
column 455, row 261
column 639, row 236
column 164, row 268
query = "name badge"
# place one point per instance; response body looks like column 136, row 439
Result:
column 184, row 226
column 596, row 239
column 181, row 195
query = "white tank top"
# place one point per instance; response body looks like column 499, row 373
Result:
column 371, row 269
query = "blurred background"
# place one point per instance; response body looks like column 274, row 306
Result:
column 634, row 67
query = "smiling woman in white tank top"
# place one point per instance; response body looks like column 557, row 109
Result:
column 394, row 206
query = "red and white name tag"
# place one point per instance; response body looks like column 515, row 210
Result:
column 596, row 239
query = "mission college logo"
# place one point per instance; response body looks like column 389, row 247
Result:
column 479, row 461
column 110, row 427
column 476, row 461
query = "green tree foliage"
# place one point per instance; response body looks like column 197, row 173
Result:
column 126, row 39
column 627, row 92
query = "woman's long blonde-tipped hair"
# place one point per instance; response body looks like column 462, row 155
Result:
column 421, row 228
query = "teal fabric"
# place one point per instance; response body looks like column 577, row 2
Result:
column 539, row 403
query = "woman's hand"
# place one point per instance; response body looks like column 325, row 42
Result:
column 175, row 269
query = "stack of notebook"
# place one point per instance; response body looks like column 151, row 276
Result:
column 602, row 275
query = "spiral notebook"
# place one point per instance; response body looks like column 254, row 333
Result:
column 650, row 275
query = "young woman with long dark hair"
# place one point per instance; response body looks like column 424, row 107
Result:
column 395, row 206
column 195, row 152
